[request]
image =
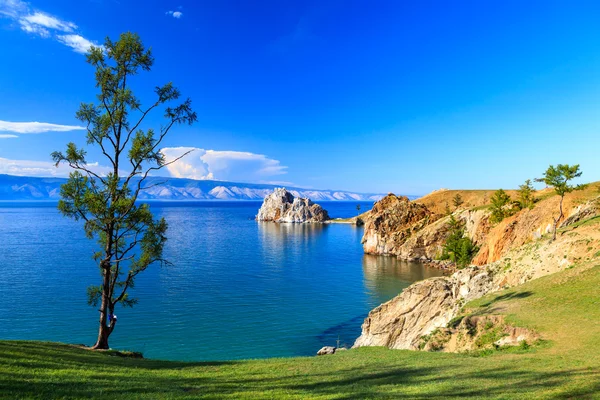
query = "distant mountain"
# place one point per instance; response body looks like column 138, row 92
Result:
column 32, row 188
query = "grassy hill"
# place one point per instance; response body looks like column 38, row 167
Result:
column 564, row 308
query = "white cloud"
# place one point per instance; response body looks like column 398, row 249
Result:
column 175, row 14
column 221, row 165
column 2, row 136
column 13, row 8
column 78, row 43
column 49, row 21
column 35, row 127
column 44, row 168
column 42, row 24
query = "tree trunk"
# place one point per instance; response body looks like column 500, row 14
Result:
column 558, row 219
column 104, row 330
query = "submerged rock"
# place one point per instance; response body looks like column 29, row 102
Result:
column 282, row 206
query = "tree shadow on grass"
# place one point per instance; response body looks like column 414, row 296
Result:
column 34, row 370
column 490, row 306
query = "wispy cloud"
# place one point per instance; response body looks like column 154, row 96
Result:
column 44, row 168
column 77, row 42
column 222, row 165
column 4, row 136
column 35, row 127
column 44, row 25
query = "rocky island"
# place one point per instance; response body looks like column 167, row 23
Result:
column 282, row 206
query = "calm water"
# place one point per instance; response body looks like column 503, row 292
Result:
column 236, row 289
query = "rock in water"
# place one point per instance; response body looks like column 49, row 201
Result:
column 282, row 206
column 390, row 224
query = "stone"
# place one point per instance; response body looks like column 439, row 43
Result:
column 391, row 222
column 282, row 206
column 421, row 308
column 326, row 350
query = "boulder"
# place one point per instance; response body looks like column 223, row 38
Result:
column 326, row 350
column 282, row 206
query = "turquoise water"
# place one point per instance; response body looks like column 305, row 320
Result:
column 236, row 289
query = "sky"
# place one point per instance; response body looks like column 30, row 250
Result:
column 368, row 96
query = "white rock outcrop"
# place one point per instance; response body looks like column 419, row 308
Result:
column 421, row 308
column 282, row 206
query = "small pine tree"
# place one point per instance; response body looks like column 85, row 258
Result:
column 499, row 210
column 526, row 195
column 447, row 210
column 558, row 177
column 457, row 200
column 458, row 248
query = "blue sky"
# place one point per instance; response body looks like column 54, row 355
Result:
column 371, row 96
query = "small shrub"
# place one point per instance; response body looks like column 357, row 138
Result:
column 454, row 322
column 526, row 193
column 458, row 248
column 500, row 206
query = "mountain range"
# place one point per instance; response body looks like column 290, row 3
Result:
column 37, row 188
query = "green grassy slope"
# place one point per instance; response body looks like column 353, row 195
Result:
column 564, row 308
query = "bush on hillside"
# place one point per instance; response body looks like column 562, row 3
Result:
column 501, row 206
column 458, row 248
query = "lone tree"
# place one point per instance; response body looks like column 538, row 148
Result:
column 457, row 200
column 129, row 238
column 559, row 177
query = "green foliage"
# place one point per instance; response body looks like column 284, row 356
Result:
column 457, row 201
column 526, row 195
column 559, row 177
column 129, row 238
column 458, row 248
column 500, row 210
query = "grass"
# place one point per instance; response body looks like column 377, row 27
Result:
column 564, row 308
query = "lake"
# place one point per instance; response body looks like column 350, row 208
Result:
column 237, row 288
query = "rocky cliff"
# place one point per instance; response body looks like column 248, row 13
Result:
column 282, row 206
column 421, row 308
column 407, row 229
column 391, row 222
column 512, row 252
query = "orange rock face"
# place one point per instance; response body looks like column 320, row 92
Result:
column 391, row 222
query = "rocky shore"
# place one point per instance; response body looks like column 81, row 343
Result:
column 511, row 253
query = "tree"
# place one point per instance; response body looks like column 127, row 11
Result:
column 559, row 177
column 526, row 191
column 458, row 248
column 358, row 209
column 457, row 200
column 129, row 238
column 499, row 201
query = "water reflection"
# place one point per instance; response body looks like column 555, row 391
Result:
column 385, row 276
column 282, row 241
